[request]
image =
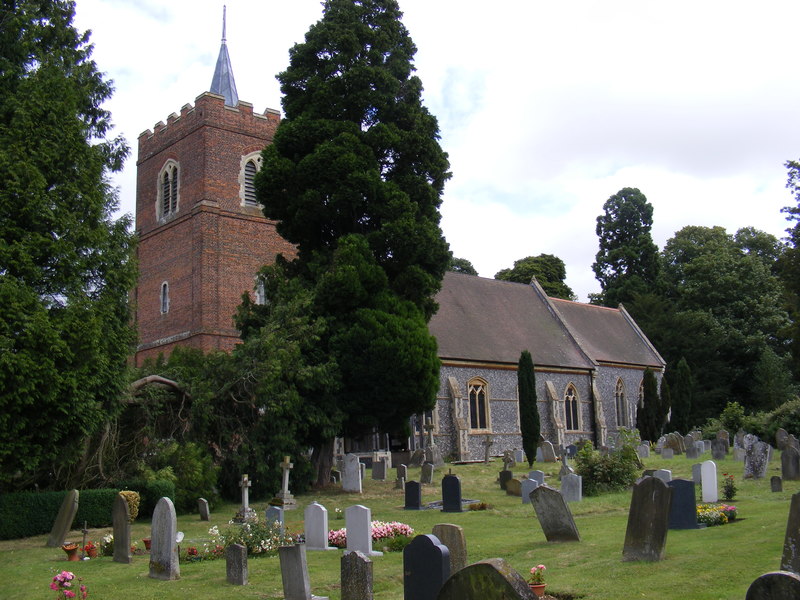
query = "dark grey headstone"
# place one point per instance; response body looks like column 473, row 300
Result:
column 504, row 477
column 64, row 518
column 790, row 560
column 697, row 473
column 781, row 438
column 554, row 515
column 236, row 564
column 776, row 484
column 790, row 464
column 571, row 451
column 778, row 585
column 356, row 576
column 683, row 509
column 163, row 547
column 121, row 519
column 692, row 452
column 648, row 520
column 492, row 579
column 379, row 470
column 294, row 572
column 451, row 494
column 719, row 449
column 452, row 536
column 402, row 472
column 426, row 566
column 202, row 508
column 413, row 495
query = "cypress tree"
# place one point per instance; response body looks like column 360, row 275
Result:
column 528, row 409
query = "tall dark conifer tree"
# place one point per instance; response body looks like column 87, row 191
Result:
column 528, row 408
column 682, row 397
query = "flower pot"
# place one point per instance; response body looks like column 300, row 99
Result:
column 146, row 543
column 538, row 589
column 71, row 550
column 91, row 552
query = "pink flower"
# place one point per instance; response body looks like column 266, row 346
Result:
column 69, row 594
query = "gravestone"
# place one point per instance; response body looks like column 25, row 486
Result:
column 790, row 464
column 667, row 453
column 706, row 445
column 64, row 518
column 643, row 451
column 202, row 508
column 487, row 444
column 356, row 578
column 163, row 546
column 724, row 435
column 738, row 439
column 492, row 579
column 648, row 520
column 572, row 488
column 246, row 513
column 793, row 442
column 526, row 487
column 433, row 455
column 776, row 484
column 121, row 519
column 401, row 472
column 539, row 454
column 738, row 454
column 294, row 573
column 426, row 477
column 351, row 474
column 452, row 536
column 362, row 471
column 719, row 449
column 548, row 452
column 451, row 494
column 537, row 476
column 683, row 509
column 781, row 438
column 400, row 484
column 692, row 452
column 514, row 487
column 508, row 460
column 664, row 475
column 778, row 585
column 285, row 498
column 708, row 475
column 790, row 561
column 236, row 564
column 519, row 456
column 554, row 515
column 413, row 494
column 417, row 458
column 565, row 468
column 274, row 514
column 379, row 470
column 315, row 519
column 756, row 459
column 571, row 451
column 336, row 476
column 358, row 521
column 504, row 478
column 426, row 566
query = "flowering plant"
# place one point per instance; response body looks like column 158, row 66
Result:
column 715, row 514
column 107, row 545
column 259, row 537
column 537, row 574
column 89, row 546
column 62, row 583
column 381, row 530
column 728, row 487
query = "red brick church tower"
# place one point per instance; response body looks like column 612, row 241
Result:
column 202, row 235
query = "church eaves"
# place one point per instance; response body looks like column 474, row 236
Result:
column 223, row 83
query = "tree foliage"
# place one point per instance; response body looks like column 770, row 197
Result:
column 461, row 265
column 789, row 265
column 682, row 397
column 65, row 265
column 650, row 415
column 528, row 408
column 549, row 271
column 627, row 261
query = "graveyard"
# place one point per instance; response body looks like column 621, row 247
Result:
column 709, row 563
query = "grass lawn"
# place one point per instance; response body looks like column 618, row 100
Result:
column 717, row 563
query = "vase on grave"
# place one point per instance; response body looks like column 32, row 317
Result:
column 147, row 542
column 538, row 589
column 72, row 551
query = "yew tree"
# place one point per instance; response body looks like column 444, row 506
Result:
column 529, row 421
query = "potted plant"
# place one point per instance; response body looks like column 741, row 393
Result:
column 90, row 549
column 536, row 580
column 71, row 548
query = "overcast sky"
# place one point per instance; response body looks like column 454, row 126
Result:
column 545, row 108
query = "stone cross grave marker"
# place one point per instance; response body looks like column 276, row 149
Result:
column 246, row 513
column 121, row 519
column 648, row 520
column 790, row 561
column 572, row 488
column 64, row 518
column 315, row 519
column 358, row 521
column 236, row 564
column 356, row 576
column 452, row 536
column 526, row 487
column 492, row 579
column 202, row 508
column 285, row 497
column 487, row 444
column 426, row 566
column 708, row 475
column 554, row 515
column 164, row 547
column 413, row 496
column 683, row 509
column 790, row 464
column 294, row 573
column 451, row 494
column 351, row 476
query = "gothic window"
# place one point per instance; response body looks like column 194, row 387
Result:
column 247, row 178
column 571, row 408
column 619, row 402
column 168, row 190
column 261, row 293
column 478, row 404
column 164, row 298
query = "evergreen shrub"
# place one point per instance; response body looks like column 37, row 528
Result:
column 611, row 473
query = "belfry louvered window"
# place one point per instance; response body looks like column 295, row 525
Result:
column 168, row 190
column 250, row 169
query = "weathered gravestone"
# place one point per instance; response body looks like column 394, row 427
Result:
column 548, row 452
column 683, row 509
column 402, row 473
column 554, row 515
column 64, row 518
column 648, row 520
column 756, row 459
column 452, row 536
column 667, row 453
column 519, row 456
column 514, row 487
column 571, row 451
column 719, row 449
column 426, row 566
column 413, row 496
column 708, row 475
column 738, row 454
column 121, row 519
column 451, row 494
column 778, row 585
column 163, row 546
column 426, row 477
column 236, row 564
column 539, row 454
column 790, row 464
column 492, row 579
column 776, row 484
column 487, row 444
column 504, row 477
column 643, row 451
column 315, row 519
column 358, row 521
column 274, row 514
column 362, row 470
column 697, row 473
column 793, row 442
column 379, row 470
column 537, row 476
column 781, row 438
column 433, row 455
column 294, row 573
column 417, row 458
column 790, row 561
column 356, row 576
column 526, row 487
column 664, row 475
column 351, row 475
column 692, row 452
column 723, row 435
column 202, row 508
column 572, row 488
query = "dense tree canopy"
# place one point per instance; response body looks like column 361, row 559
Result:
column 549, row 271
column 65, row 265
column 461, row 265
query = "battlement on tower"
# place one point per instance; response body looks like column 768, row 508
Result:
column 209, row 110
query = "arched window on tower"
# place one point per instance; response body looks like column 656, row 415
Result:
column 164, row 298
column 571, row 413
column 250, row 165
column 478, row 404
column 167, row 203
column 619, row 402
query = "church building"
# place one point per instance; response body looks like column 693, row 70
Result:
column 203, row 238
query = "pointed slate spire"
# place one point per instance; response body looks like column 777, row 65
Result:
column 223, row 83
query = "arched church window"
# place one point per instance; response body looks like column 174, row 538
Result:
column 571, row 413
column 619, row 402
column 167, row 203
column 164, row 298
column 250, row 165
column 478, row 404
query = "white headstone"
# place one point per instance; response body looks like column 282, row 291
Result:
column 526, row 487
column 358, row 521
column 316, row 527
column 708, row 475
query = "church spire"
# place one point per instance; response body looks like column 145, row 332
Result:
column 223, row 83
